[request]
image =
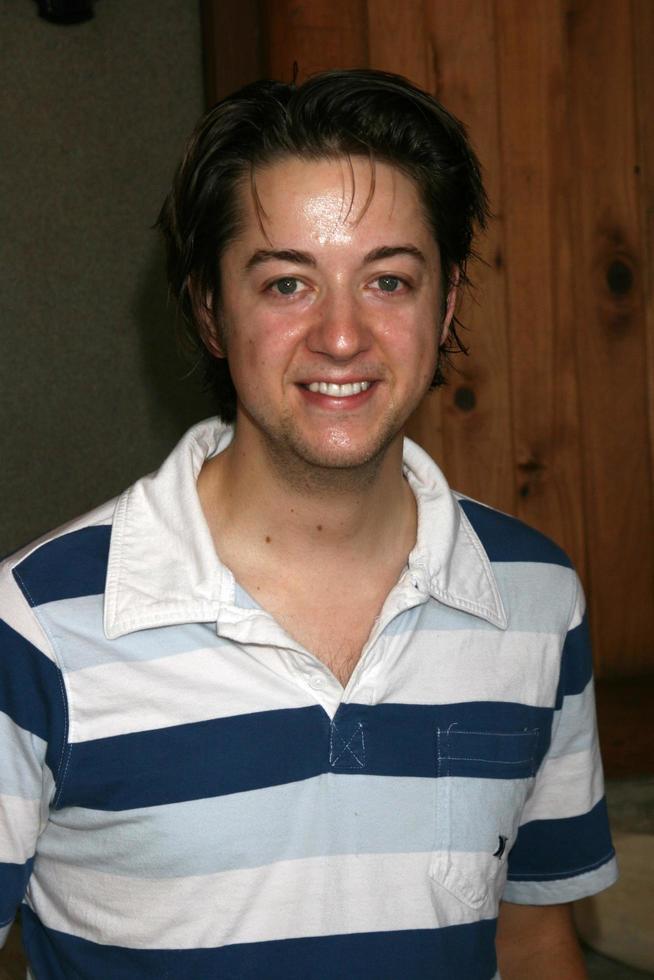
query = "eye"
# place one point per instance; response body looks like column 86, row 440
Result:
column 389, row 284
column 286, row 286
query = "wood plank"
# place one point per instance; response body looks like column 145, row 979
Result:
column 610, row 335
column 624, row 715
column 643, row 42
column 398, row 41
column 536, row 173
column 315, row 34
column 477, row 436
column 231, row 44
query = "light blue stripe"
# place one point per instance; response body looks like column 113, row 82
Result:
column 327, row 815
column 574, row 724
column 536, row 598
column 22, row 755
column 76, row 626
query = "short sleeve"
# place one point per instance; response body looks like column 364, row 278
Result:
column 32, row 733
column 563, row 850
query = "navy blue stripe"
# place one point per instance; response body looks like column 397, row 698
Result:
column 269, row 748
column 31, row 691
column 72, row 565
column 13, row 882
column 189, row 762
column 507, row 539
column 553, row 849
column 403, row 739
column 576, row 662
column 466, row 952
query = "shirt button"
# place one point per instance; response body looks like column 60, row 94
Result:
column 316, row 682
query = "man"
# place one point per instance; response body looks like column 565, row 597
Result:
column 290, row 707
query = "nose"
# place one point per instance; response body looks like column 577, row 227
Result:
column 339, row 330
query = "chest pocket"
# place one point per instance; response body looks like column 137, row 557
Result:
column 483, row 781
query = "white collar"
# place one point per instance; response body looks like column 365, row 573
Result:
column 163, row 568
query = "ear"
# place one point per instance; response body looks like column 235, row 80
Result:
column 206, row 318
column 450, row 302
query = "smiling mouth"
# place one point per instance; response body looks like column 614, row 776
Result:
column 338, row 391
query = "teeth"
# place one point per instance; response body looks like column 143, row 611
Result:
column 339, row 391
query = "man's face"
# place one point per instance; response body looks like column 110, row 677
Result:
column 330, row 310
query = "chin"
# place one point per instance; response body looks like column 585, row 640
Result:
column 341, row 453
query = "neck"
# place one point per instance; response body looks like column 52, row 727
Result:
column 299, row 511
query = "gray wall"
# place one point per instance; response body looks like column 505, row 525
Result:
column 92, row 120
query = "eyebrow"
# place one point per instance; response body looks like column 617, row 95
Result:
column 390, row 251
column 282, row 255
column 305, row 258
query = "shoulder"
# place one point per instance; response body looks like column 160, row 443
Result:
column 63, row 563
column 68, row 561
column 537, row 582
column 507, row 539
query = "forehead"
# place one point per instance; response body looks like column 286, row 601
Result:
column 330, row 201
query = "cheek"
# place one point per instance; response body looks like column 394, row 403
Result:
column 414, row 341
column 262, row 346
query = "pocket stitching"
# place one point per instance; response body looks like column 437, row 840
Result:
column 440, row 870
column 531, row 733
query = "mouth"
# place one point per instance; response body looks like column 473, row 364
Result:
column 338, row 390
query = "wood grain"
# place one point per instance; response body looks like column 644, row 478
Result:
column 643, row 43
column 624, row 715
column 610, row 335
column 536, row 176
column 232, row 46
column 397, row 40
column 477, row 425
column 315, row 34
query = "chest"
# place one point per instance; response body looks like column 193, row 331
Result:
column 332, row 629
column 265, row 821
column 229, row 771
column 331, row 616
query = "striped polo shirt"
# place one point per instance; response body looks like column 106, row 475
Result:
column 186, row 792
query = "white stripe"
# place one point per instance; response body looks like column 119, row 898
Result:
column 116, row 698
column 468, row 665
column 566, row 786
column 4, row 932
column 433, row 668
column 562, row 889
column 291, row 899
column 22, row 755
column 19, row 828
column 573, row 727
column 579, row 609
column 18, row 614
